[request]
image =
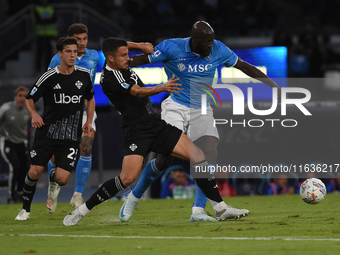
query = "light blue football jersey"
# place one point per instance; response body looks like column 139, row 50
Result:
column 89, row 61
column 191, row 68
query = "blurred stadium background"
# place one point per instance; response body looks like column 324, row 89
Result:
column 306, row 34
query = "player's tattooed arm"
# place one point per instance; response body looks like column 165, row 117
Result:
column 86, row 145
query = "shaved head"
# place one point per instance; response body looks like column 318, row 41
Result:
column 201, row 28
column 202, row 38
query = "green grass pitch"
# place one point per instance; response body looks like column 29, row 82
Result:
column 275, row 225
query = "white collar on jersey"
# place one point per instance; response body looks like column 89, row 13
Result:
column 86, row 51
column 109, row 68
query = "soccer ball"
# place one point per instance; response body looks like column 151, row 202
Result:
column 312, row 191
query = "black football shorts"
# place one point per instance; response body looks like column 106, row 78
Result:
column 156, row 135
column 65, row 153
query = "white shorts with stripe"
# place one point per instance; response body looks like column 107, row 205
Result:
column 93, row 121
column 189, row 120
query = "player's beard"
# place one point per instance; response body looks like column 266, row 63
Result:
column 81, row 53
column 125, row 66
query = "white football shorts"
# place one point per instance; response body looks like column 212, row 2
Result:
column 189, row 120
column 93, row 121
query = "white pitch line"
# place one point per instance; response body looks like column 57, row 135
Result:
column 186, row 237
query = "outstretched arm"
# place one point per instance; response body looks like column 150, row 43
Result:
column 255, row 73
column 169, row 86
column 37, row 121
column 147, row 48
column 139, row 60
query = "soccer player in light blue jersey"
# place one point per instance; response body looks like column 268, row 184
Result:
column 188, row 59
column 88, row 59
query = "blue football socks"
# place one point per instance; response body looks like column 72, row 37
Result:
column 200, row 199
column 50, row 165
column 149, row 175
column 83, row 172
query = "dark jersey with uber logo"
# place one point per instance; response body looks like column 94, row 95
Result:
column 63, row 97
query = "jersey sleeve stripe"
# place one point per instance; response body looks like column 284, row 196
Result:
column 119, row 76
column 45, row 76
column 82, row 69
column 235, row 61
column 46, row 73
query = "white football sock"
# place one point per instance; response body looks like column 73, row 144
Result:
column 83, row 209
column 219, row 206
column 196, row 209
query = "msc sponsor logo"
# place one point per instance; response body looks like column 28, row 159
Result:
column 181, row 67
column 193, row 68
column 198, row 68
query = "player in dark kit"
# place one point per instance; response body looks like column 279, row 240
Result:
column 64, row 89
column 87, row 58
column 143, row 131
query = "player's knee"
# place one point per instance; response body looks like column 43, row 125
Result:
column 209, row 148
column 34, row 175
column 201, row 155
column 62, row 182
column 210, row 152
column 163, row 162
column 127, row 180
column 197, row 155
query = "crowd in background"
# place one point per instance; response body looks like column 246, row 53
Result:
column 229, row 18
column 304, row 27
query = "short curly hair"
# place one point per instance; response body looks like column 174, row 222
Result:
column 77, row 28
column 65, row 41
